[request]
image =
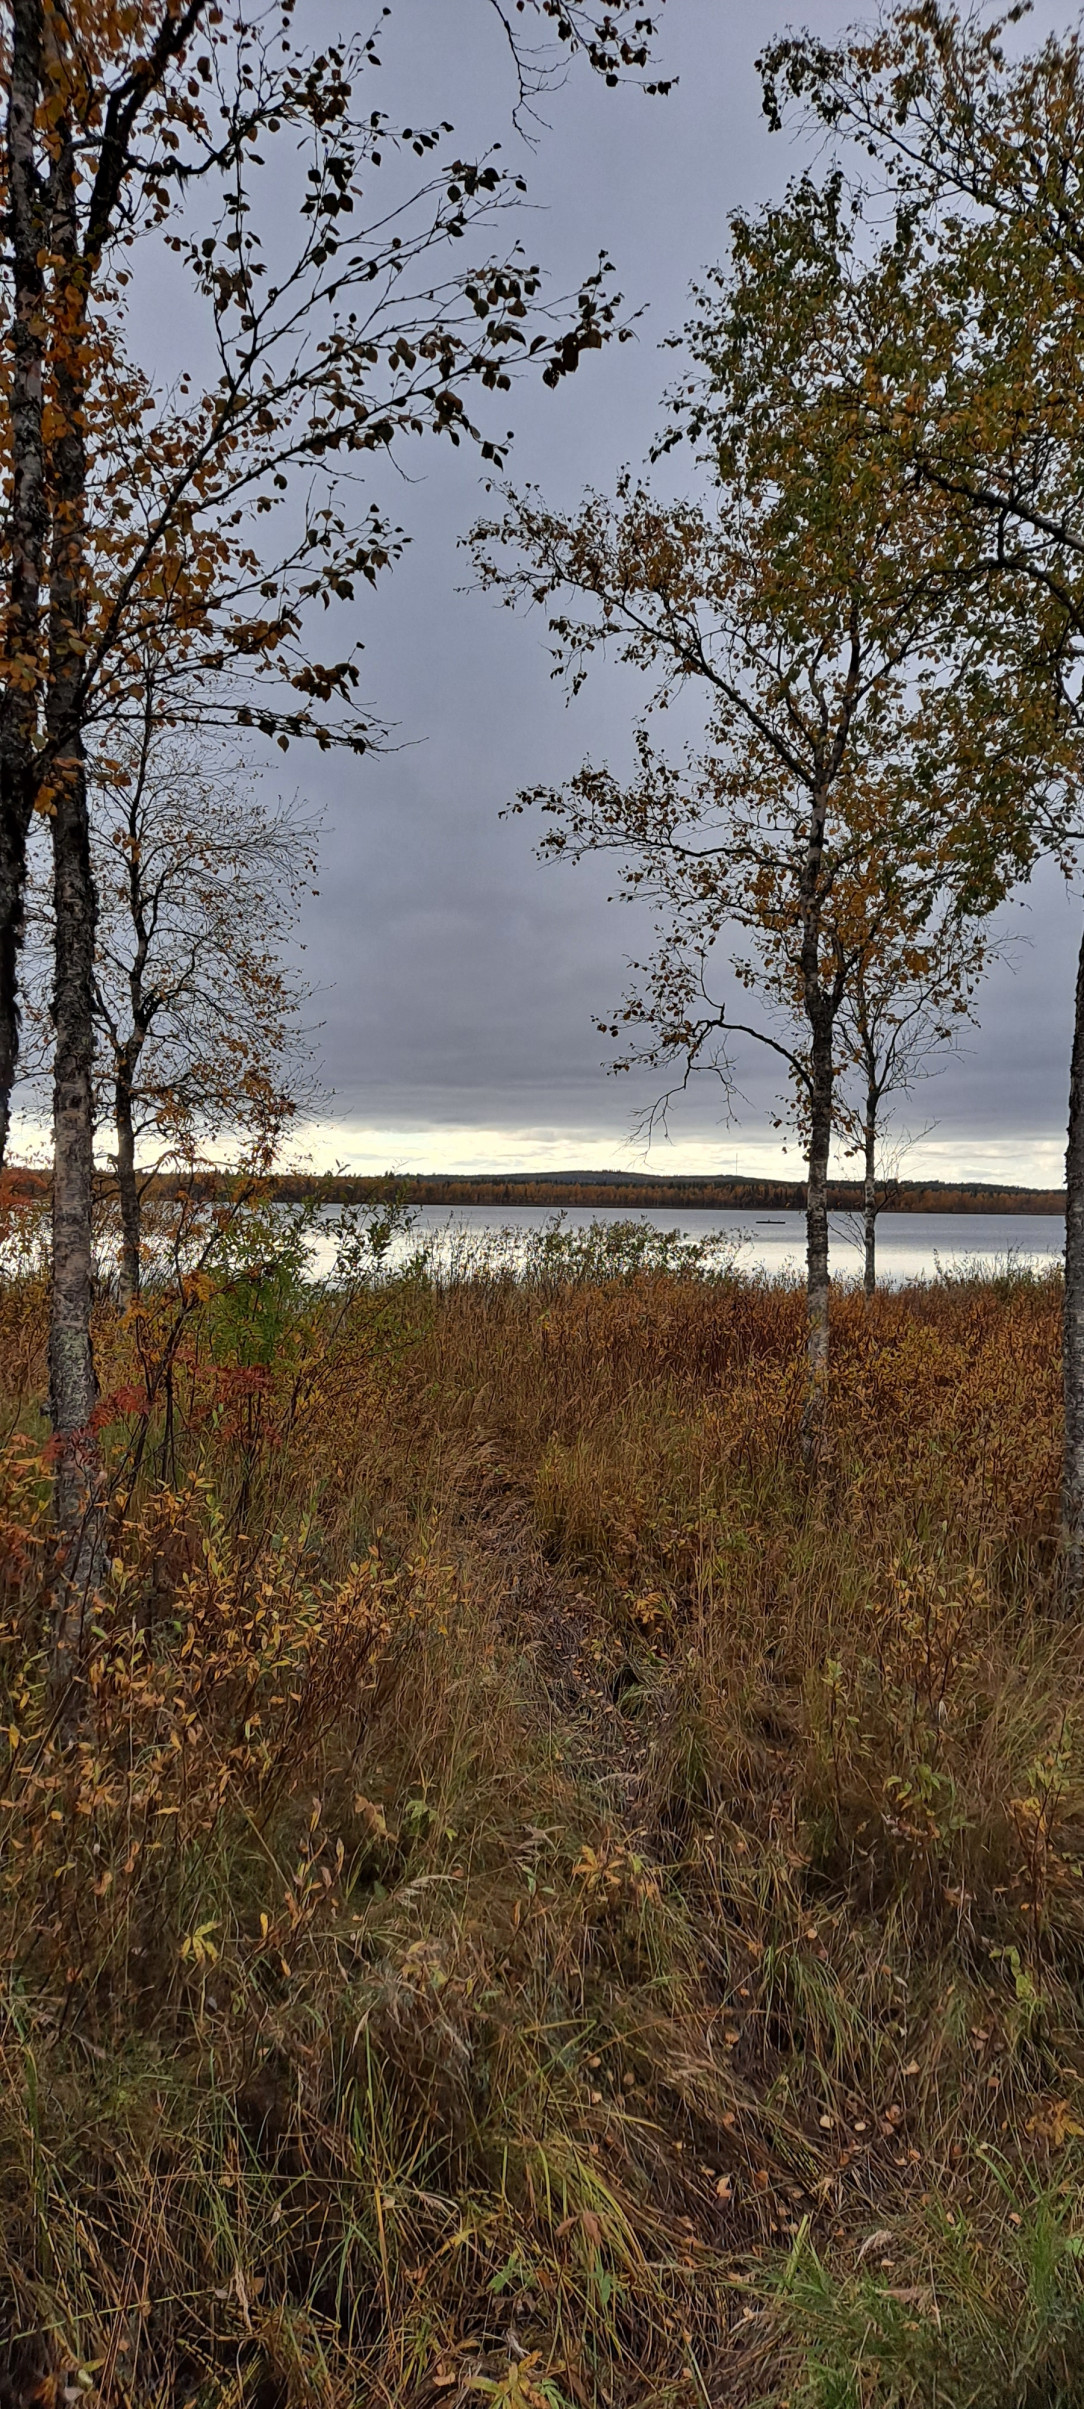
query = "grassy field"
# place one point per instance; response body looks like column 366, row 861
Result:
column 546, row 1903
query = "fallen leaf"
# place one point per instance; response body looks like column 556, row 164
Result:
column 1056, row 2124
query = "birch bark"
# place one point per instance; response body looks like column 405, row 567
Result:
column 27, row 527
column 869, row 1197
column 1072, row 1501
column 73, row 1387
column 820, row 1008
column 127, row 1184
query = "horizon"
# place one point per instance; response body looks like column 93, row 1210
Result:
column 459, row 981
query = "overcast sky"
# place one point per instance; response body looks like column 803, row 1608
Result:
column 458, row 977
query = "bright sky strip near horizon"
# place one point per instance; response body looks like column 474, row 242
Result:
column 457, row 978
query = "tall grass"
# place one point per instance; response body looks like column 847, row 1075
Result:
column 546, row 1903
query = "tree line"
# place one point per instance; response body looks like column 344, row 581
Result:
column 618, row 1189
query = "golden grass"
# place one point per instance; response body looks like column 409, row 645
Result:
column 548, row 1904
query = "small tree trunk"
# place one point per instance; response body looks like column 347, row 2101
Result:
column 127, row 1189
column 1072, row 1495
column 79, row 1493
column 79, row 1489
column 26, row 523
column 869, row 1201
column 816, row 1220
column 13, row 829
column 73, row 1385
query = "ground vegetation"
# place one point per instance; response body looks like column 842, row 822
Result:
column 545, row 1905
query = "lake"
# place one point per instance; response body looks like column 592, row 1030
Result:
column 910, row 1246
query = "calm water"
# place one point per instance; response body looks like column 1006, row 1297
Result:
column 910, row 1246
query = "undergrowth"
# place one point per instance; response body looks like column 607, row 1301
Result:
column 542, row 1901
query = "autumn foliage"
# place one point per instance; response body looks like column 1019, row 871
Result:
column 544, row 1903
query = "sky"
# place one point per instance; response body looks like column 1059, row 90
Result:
column 457, row 979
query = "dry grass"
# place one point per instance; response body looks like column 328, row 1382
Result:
column 547, row 1905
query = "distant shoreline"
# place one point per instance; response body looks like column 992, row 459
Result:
column 587, row 1190
column 614, row 1189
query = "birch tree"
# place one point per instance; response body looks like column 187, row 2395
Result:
column 982, row 394
column 139, row 517
column 199, row 1001
column 902, row 1013
column 860, row 759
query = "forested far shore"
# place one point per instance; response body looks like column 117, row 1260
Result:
column 604, row 1190
column 608, row 1189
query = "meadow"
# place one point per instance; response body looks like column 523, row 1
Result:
column 540, row 1900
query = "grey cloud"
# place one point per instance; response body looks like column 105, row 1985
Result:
column 458, row 978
